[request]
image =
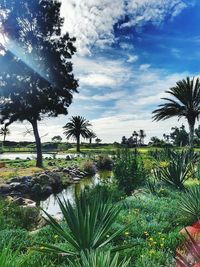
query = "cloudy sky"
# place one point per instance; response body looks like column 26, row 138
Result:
column 129, row 53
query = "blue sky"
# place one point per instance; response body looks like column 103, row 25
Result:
column 129, row 53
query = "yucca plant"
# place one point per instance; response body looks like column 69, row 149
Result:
column 99, row 258
column 178, row 169
column 89, row 222
column 190, row 202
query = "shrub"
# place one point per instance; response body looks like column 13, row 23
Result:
column 104, row 163
column 89, row 167
column 129, row 170
column 14, row 216
column 190, row 202
column 108, row 191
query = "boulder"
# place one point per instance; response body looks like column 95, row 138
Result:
column 23, row 188
column 46, row 191
column 43, row 178
column 36, row 190
column 5, row 189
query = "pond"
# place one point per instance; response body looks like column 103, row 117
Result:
column 23, row 156
column 51, row 206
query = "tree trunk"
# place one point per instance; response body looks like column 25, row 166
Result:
column 78, row 144
column 39, row 162
column 191, row 134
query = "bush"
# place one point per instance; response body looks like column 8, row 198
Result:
column 89, row 167
column 14, row 216
column 129, row 170
column 104, row 163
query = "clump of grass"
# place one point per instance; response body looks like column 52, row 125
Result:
column 89, row 167
column 129, row 170
column 104, row 163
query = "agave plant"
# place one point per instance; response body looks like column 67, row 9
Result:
column 89, row 223
column 179, row 168
column 99, row 258
column 190, row 202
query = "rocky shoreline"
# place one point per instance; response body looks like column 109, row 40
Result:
column 27, row 190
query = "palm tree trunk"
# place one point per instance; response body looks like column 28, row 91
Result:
column 39, row 162
column 78, row 144
column 191, row 134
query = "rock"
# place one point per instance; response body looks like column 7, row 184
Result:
column 19, row 200
column 47, row 190
column 15, row 194
column 15, row 180
column 23, row 188
column 36, row 190
column 5, row 189
column 43, row 179
column 76, row 179
column 29, row 203
column 14, row 184
column 66, row 170
column 25, row 179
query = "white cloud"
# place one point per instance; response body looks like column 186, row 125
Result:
column 145, row 66
column 112, row 128
column 103, row 97
column 155, row 11
column 101, row 72
column 97, row 80
column 92, row 21
column 132, row 58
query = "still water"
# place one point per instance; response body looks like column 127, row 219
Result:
column 13, row 156
column 51, row 206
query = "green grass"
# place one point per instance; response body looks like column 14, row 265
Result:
column 154, row 225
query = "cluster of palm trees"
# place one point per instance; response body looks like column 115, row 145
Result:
column 136, row 139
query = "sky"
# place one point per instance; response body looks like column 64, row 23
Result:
column 128, row 53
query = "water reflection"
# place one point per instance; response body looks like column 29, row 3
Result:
column 13, row 156
column 50, row 205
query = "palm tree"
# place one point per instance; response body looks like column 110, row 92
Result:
column 4, row 131
column 186, row 104
column 135, row 134
column 77, row 127
column 142, row 135
column 91, row 136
